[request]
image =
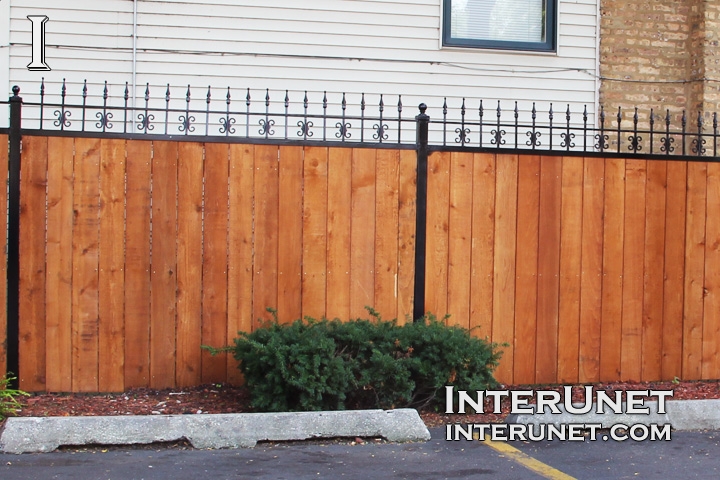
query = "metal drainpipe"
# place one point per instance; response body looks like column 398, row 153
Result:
column 134, row 58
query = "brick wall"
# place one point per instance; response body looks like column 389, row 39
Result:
column 660, row 54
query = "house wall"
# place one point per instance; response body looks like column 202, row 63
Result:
column 353, row 46
column 661, row 54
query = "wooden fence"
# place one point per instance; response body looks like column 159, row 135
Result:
column 134, row 253
column 590, row 269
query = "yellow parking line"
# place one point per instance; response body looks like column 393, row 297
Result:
column 527, row 461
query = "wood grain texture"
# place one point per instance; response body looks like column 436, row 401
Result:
column 526, row 278
column 111, row 335
column 633, row 278
column 503, row 330
column 483, row 245
column 612, row 284
column 314, row 240
column 711, row 307
column 163, row 275
column 548, row 270
column 338, row 232
column 675, row 210
column 215, row 260
column 58, row 294
column 652, row 316
column 436, row 244
column 265, row 261
column 362, row 235
column 31, row 328
column 85, row 308
column 694, row 288
column 591, row 273
column 189, row 263
column 240, row 249
column 290, row 239
column 137, row 264
column 407, row 206
column 570, row 269
column 460, row 238
column 386, row 232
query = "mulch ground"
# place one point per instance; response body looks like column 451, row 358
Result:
column 222, row 398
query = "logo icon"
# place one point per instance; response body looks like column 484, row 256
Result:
column 38, row 43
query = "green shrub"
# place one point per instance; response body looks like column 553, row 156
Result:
column 8, row 397
column 333, row 365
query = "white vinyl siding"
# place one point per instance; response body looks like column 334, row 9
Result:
column 353, row 46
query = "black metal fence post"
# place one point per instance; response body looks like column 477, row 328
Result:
column 422, row 126
column 13, row 232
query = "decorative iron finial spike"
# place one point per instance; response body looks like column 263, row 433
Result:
column 227, row 97
column 481, row 110
column 585, row 114
column 208, row 95
column 305, row 100
column 343, row 103
column 635, row 117
column 325, row 100
column 684, row 120
column 187, row 95
column 382, row 104
column 462, row 108
column 400, row 104
column 362, row 101
column 619, row 115
column 498, row 110
column 567, row 113
column 63, row 90
column 667, row 118
column 42, row 86
column 652, row 118
column 167, row 93
column 533, row 112
column 550, row 113
column 517, row 113
column 247, row 98
column 84, row 90
column 127, row 92
column 715, row 122
column 445, row 106
column 105, row 91
column 147, row 92
column 287, row 99
column 602, row 114
column 699, row 121
column 267, row 97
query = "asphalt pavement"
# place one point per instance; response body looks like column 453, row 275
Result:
column 688, row 455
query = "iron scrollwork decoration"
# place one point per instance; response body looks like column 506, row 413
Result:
column 462, row 131
column 697, row 144
column 305, row 128
column 498, row 132
column 348, row 121
column 187, row 119
column 381, row 128
column 343, row 130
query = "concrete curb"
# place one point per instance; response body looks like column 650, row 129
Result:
column 45, row 434
column 680, row 414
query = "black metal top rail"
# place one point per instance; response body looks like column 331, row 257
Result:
column 367, row 119
column 492, row 129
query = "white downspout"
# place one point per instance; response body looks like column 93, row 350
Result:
column 134, row 59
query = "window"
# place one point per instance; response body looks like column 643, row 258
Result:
column 504, row 24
